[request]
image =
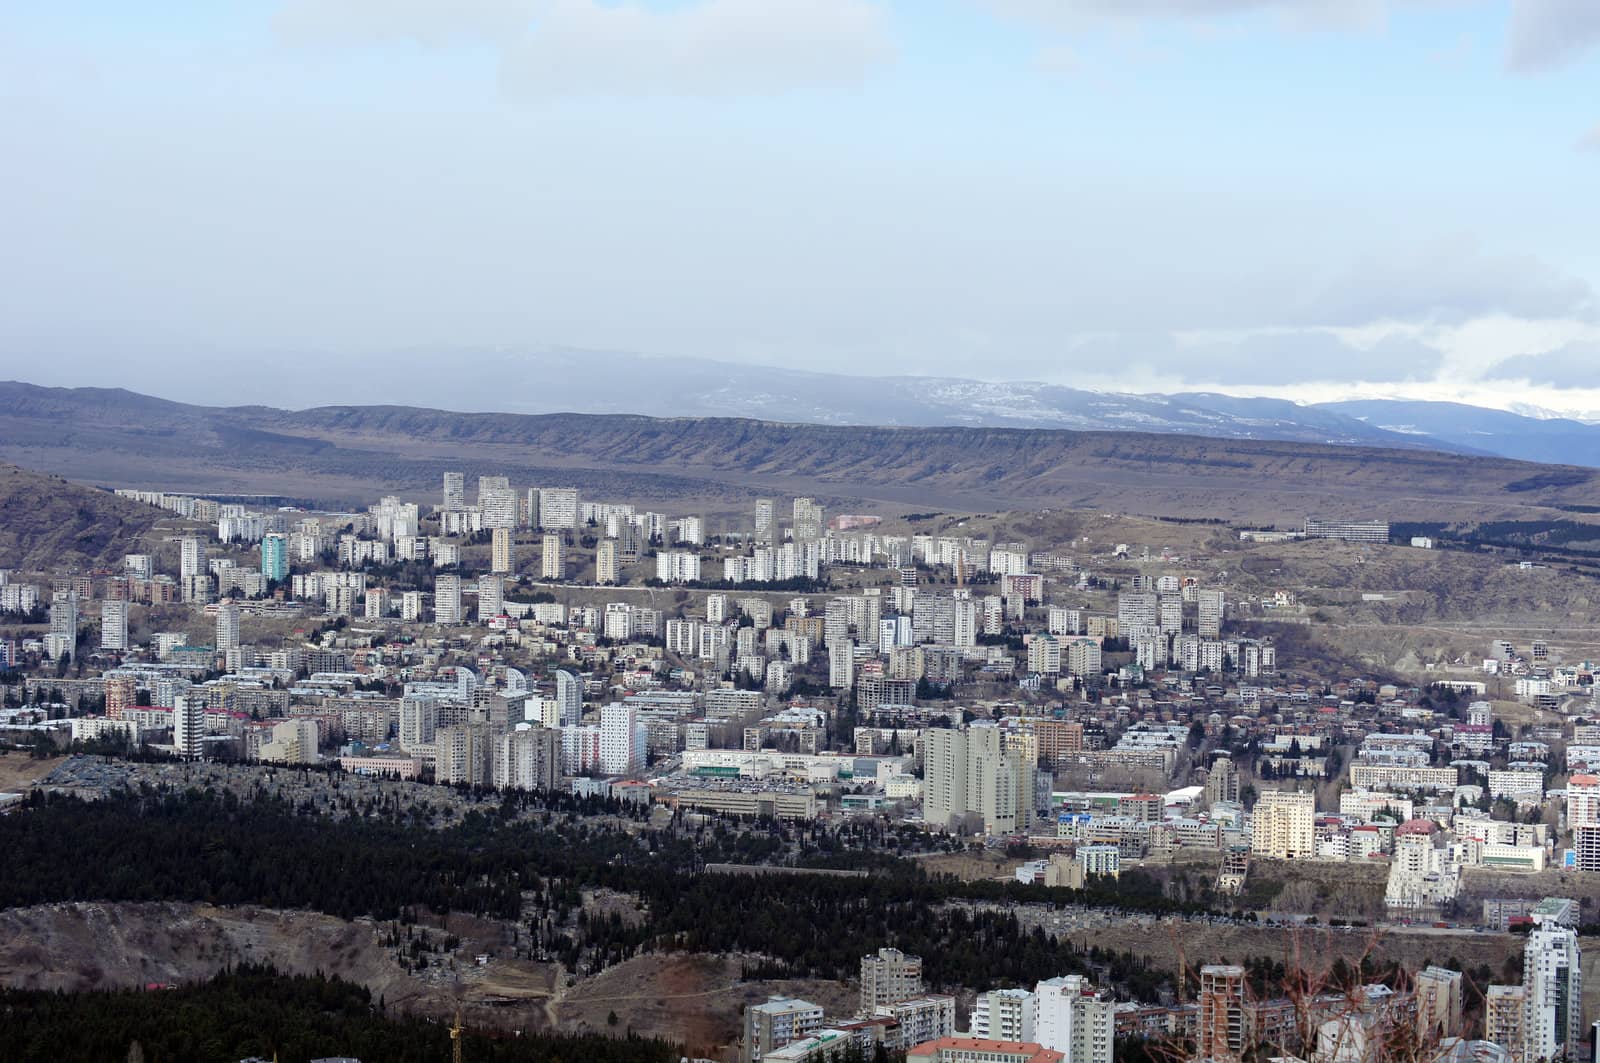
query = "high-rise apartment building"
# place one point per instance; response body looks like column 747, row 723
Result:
column 455, row 492
column 275, row 557
column 606, row 567
column 808, row 520
column 622, row 740
column 191, row 557
column 569, row 696
column 411, row 606
column 558, row 507
column 497, row 502
column 464, row 755
column 1074, row 1019
column 189, row 725
column 1224, row 1025
column 889, row 976
column 552, row 562
column 500, row 559
column 114, row 625
column 227, row 626
column 419, row 718
column 1505, row 1010
column 1222, row 782
column 1583, row 801
column 1552, row 982
column 973, row 772
column 491, row 597
column 1056, row 739
column 766, row 521
column 447, row 599
column 1283, row 825
column 528, row 758
column 1211, row 606
column 62, row 641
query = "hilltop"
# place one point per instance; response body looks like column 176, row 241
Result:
column 47, row 522
column 350, row 452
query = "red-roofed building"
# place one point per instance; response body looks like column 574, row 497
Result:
column 982, row 1050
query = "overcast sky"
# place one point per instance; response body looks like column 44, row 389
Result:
column 1309, row 198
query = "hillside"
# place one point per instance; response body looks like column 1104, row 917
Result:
column 48, row 523
column 353, row 452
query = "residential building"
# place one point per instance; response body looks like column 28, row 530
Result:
column 455, row 491
column 1224, row 1026
column 971, row 771
column 1552, row 981
column 1282, row 825
column 275, row 557
column 607, row 569
column 623, row 740
column 552, row 562
column 569, row 698
column 292, row 742
column 227, row 626
column 447, row 599
column 113, row 625
column 887, row 977
column 500, row 551
column 558, row 509
column 1004, row 1015
column 776, row 1023
column 920, row 1019
column 1439, row 1001
column 1075, row 1019
column 191, row 557
column 1211, row 607
column 1505, row 1012
column 528, row 758
column 491, row 597
column 189, row 725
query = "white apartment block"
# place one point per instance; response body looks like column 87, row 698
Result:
column 1004, row 1015
column 447, row 599
column 558, row 508
column 677, row 566
column 1282, row 825
column 1074, row 1019
column 552, row 560
column 113, row 625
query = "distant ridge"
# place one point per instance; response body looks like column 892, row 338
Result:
column 355, row 452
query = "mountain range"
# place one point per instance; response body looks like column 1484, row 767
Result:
column 353, row 454
column 606, row 382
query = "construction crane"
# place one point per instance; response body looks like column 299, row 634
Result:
column 455, row 1039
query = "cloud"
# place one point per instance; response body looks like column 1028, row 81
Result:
column 1262, row 358
column 1296, row 14
column 714, row 47
column 1448, row 281
column 433, row 23
column 1545, row 34
column 1590, row 141
column 551, row 48
column 1574, row 365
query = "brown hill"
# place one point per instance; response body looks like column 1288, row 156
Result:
column 48, row 523
column 354, row 452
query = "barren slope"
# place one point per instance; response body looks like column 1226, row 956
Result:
column 349, row 452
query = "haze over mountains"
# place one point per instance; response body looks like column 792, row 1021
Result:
column 596, row 382
column 346, row 453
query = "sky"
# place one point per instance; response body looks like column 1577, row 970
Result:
column 265, row 200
